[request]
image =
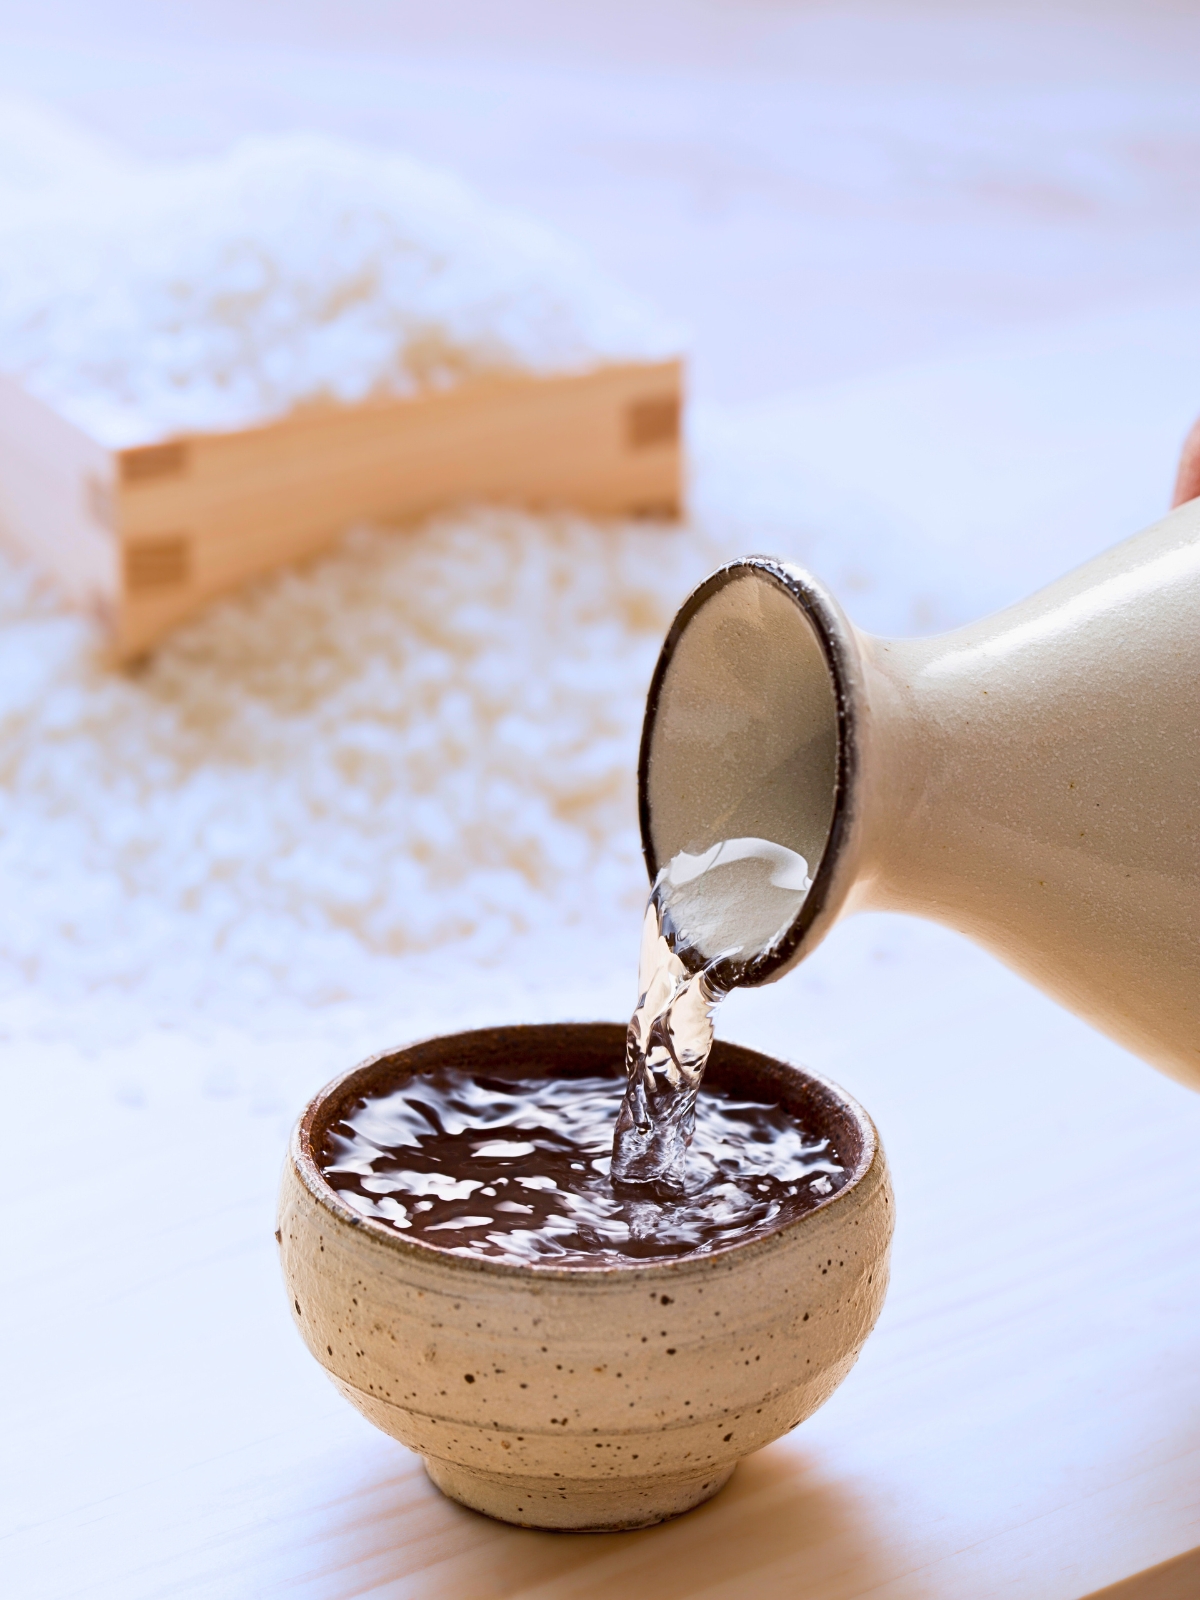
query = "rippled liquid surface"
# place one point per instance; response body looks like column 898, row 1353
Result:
column 518, row 1170
column 733, row 901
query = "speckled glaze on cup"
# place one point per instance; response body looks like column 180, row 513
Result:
column 586, row 1398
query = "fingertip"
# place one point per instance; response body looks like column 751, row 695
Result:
column 1187, row 481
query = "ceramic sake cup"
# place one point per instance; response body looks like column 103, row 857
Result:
column 586, row 1398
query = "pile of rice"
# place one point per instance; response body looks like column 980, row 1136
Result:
column 142, row 301
column 424, row 742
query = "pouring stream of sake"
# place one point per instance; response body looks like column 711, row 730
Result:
column 729, row 903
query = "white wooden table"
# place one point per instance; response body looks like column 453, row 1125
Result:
column 1025, row 1422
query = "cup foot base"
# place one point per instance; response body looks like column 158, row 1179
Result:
column 576, row 1505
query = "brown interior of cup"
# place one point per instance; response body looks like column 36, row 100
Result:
column 586, row 1049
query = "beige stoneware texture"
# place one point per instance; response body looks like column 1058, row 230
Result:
column 586, row 1399
column 1032, row 780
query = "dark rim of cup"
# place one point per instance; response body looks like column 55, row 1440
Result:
column 580, row 1049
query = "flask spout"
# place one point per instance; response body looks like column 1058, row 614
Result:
column 747, row 766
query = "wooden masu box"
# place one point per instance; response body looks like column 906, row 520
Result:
column 145, row 536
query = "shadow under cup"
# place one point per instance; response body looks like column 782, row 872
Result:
column 586, row 1397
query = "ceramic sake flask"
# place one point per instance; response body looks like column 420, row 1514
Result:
column 586, row 1398
column 1032, row 780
